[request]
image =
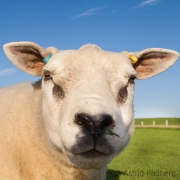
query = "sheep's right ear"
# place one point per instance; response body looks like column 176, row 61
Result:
column 153, row 61
column 27, row 56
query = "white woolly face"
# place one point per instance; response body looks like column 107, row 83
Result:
column 88, row 95
column 88, row 104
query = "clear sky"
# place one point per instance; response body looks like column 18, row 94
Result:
column 116, row 25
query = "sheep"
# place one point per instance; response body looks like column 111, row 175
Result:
column 78, row 117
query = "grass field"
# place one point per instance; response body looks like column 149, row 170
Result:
column 158, row 121
column 153, row 154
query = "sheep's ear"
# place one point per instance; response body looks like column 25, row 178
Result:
column 27, row 56
column 153, row 61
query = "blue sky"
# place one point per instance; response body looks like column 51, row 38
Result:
column 116, row 25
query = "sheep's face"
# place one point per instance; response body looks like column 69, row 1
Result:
column 88, row 104
column 88, row 96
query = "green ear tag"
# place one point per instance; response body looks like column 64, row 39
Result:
column 47, row 58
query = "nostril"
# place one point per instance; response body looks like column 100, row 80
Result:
column 83, row 120
column 106, row 120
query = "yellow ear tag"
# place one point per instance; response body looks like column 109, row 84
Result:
column 133, row 58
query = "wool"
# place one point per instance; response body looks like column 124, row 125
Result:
column 40, row 133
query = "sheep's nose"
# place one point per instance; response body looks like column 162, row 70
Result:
column 95, row 124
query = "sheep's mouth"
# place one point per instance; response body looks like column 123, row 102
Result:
column 93, row 154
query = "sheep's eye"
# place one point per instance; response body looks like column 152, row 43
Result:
column 131, row 79
column 47, row 75
column 123, row 92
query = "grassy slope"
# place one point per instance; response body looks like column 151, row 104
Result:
column 158, row 121
column 150, row 150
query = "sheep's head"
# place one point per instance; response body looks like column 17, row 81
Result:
column 88, row 96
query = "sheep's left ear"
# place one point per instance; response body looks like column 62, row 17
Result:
column 28, row 56
column 153, row 61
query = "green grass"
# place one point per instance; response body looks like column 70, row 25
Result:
column 158, row 121
column 149, row 152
